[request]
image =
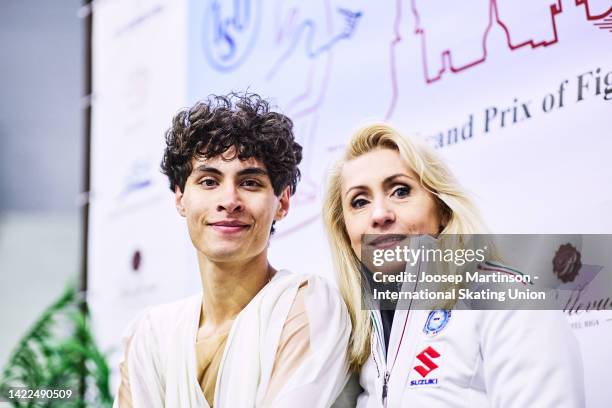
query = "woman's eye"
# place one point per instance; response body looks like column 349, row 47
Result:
column 208, row 182
column 401, row 192
column 358, row 202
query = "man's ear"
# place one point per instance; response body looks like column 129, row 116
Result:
column 178, row 201
column 283, row 205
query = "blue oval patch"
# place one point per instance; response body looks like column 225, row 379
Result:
column 436, row 321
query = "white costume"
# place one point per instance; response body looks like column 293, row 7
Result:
column 162, row 359
column 474, row 358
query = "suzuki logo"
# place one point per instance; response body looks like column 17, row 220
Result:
column 425, row 357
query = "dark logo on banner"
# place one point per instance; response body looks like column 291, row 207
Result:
column 136, row 261
column 566, row 263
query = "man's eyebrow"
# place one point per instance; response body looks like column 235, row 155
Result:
column 253, row 171
column 207, row 169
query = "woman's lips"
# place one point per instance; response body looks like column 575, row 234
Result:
column 387, row 241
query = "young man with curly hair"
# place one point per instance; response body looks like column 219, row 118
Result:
column 255, row 336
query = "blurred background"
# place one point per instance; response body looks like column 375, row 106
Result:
column 41, row 158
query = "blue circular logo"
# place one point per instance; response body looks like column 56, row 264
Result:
column 436, row 321
column 229, row 32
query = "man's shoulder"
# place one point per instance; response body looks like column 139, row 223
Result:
column 303, row 277
column 311, row 283
column 173, row 312
column 321, row 296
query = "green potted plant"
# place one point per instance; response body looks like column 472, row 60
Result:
column 58, row 353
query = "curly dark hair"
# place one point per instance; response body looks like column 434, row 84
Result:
column 243, row 121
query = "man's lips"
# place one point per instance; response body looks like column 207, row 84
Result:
column 229, row 227
column 386, row 241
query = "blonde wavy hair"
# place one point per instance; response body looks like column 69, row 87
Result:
column 458, row 212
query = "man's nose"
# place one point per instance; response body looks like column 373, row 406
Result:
column 230, row 200
column 382, row 216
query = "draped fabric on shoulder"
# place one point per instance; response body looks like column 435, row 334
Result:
column 124, row 394
column 293, row 346
column 276, row 353
column 209, row 351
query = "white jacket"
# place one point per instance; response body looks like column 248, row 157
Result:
column 474, row 358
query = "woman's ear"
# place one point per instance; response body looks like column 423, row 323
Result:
column 178, row 201
column 283, row 205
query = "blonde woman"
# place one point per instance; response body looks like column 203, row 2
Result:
column 388, row 184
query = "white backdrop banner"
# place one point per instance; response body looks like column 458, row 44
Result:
column 516, row 95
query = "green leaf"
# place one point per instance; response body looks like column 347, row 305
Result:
column 59, row 352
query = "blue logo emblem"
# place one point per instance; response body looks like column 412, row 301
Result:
column 436, row 321
column 229, row 32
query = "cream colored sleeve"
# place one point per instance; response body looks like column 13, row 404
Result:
column 293, row 347
column 124, row 396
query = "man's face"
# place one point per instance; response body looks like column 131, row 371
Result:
column 230, row 205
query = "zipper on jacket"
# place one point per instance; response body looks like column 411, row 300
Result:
column 385, row 388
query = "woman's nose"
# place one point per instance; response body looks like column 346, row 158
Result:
column 382, row 216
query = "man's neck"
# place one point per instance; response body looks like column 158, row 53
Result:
column 228, row 287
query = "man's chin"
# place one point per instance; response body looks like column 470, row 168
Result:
column 226, row 253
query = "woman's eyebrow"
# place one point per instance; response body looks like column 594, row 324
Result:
column 390, row 179
column 355, row 188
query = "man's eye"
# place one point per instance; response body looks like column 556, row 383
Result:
column 251, row 183
column 401, row 192
column 358, row 202
column 208, row 182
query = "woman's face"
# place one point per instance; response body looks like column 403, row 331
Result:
column 381, row 195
